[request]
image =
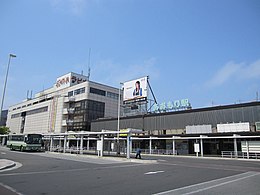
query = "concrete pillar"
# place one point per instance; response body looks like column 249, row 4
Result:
column 59, row 143
column 88, row 144
column 201, row 147
column 235, row 146
column 68, row 143
column 173, row 145
column 247, row 149
column 128, row 146
column 51, row 143
column 102, row 145
column 77, row 144
column 150, row 146
column 64, row 144
column 81, row 144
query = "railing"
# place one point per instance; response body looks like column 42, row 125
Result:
column 156, row 151
column 232, row 154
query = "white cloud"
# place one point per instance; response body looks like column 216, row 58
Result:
column 235, row 71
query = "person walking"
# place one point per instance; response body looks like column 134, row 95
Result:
column 138, row 153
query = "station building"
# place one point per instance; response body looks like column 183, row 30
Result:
column 69, row 105
column 216, row 125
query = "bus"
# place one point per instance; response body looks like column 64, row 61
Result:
column 25, row 142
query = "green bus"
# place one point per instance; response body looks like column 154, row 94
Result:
column 25, row 142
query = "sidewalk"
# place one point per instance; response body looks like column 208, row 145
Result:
column 6, row 164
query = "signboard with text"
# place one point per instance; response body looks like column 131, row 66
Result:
column 172, row 106
column 69, row 79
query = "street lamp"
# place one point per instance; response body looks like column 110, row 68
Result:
column 6, row 76
column 118, row 117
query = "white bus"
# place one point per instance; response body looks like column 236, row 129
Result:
column 25, row 142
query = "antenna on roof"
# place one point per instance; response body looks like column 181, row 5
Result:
column 89, row 52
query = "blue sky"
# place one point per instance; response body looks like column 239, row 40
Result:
column 205, row 50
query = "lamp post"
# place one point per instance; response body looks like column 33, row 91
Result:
column 118, row 118
column 6, row 76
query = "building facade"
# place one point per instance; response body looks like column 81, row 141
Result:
column 178, row 121
column 3, row 118
column 70, row 105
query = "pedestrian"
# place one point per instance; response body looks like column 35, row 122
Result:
column 138, row 153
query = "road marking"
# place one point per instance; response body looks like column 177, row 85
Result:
column 153, row 172
column 192, row 189
column 3, row 153
column 11, row 189
column 71, row 170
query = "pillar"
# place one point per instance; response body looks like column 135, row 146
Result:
column 77, row 144
column 173, row 145
column 201, row 147
column 81, row 144
column 88, row 144
column 128, row 146
column 64, row 144
column 235, row 146
column 150, row 146
column 102, row 145
column 51, row 143
column 247, row 149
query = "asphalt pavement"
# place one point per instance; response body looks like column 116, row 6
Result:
column 48, row 173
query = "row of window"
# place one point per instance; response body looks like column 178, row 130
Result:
column 104, row 93
column 40, row 101
column 30, row 112
column 76, row 92
column 37, row 110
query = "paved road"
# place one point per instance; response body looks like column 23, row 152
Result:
column 62, row 174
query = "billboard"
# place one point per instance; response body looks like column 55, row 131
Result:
column 69, row 79
column 135, row 90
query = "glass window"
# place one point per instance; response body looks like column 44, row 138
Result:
column 70, row 93
column 97, row 91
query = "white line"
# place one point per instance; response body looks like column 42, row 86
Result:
column 221, row 184
column 71, row 170
column 3, row 153
column 10, row 188
column 190, row 189
column 153, row 172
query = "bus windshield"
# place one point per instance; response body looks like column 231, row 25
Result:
column 34, row 139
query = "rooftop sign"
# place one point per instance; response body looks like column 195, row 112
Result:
column 69, row 79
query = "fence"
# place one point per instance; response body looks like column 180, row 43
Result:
column 232, row 154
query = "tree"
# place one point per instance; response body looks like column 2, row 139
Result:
column 4, row 130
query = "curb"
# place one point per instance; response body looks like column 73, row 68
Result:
column 144, row 161
column 7, row 164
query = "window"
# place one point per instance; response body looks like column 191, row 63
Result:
column 97, row 91
column 38, row 110
column 70, row 93
column 77, row 91
column 16, row 115
column 112, row 95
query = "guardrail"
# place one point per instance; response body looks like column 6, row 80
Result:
column 232, row 154
column 156, row 151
